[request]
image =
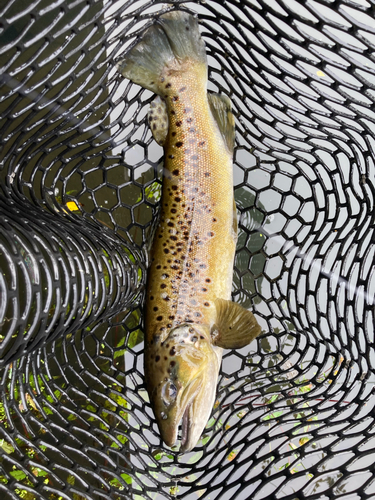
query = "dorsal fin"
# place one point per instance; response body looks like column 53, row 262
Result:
column 158, row 120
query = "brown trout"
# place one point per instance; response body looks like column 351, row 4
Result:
column 189, row 314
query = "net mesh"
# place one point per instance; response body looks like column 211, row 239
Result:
column 80, row 183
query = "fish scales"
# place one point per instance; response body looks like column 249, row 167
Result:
column 194, row 244
column 189, row 317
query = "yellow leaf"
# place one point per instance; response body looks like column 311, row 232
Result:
column 72, row 205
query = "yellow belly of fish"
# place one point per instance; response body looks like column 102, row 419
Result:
column 194, row 245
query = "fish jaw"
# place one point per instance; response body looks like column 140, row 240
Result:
column 197, row 413
column 182, row 386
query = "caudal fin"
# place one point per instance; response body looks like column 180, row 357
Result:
column 165, row 46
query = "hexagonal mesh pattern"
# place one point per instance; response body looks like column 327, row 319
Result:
column 80, row 182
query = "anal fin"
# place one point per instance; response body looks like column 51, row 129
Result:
column 158, row 120
column 221, row 107
column 235, row 326
column 235, row 222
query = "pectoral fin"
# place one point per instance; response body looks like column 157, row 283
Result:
column 235, row 326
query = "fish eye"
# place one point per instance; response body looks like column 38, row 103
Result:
column 169, row 393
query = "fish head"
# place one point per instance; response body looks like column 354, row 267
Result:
column 181, row 378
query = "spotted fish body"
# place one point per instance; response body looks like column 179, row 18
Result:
column 192, row 255
column 189, row 316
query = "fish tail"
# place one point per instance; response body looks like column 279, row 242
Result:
column 163, row 50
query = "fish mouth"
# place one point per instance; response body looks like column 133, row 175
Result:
column 191, row 423
column 184, row 418
column 186, row 427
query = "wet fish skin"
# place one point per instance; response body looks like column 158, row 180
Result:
column 190, row 277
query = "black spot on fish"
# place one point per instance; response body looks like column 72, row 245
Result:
column 173, row 134
column 179, row 123
column 157, row 358
column 210, row 233
column 206, row 304
column 174, row 238
column 172, row 352
column 174, row 188
column 156, row 308
column 175, row 98
column 163, row 285
column 173, row 211
column 207, row 174
column 159, row 318
column 171, row 157
column 152, row 297
column 166, row 250
column 201, row 143
column 204, row 289
column 173, row 363
column 189, row 120
column 207, row 280
column 177, row 199
column 179, row 144
column 175, row 171
column 169, row 85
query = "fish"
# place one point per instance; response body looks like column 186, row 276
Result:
column 189, row 315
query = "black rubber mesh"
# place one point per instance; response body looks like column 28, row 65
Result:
column 80, row 181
